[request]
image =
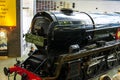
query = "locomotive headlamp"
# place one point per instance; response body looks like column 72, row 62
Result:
column 118, row 33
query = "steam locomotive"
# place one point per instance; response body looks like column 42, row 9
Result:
column 70, row 45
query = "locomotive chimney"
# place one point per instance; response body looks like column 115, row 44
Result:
column 67, row 11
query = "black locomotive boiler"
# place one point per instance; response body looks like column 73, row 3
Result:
column 60, row 30
column 71, row 45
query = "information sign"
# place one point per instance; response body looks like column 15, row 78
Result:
column 8, row 13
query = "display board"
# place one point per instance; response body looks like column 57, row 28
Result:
column 8, row 13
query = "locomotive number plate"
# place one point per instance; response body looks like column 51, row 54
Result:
column 38, row 40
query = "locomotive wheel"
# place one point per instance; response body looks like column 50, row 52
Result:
column 63, row 75
column 113, row 58
column 92, row 71
column 117, row 51
column 111, row 63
